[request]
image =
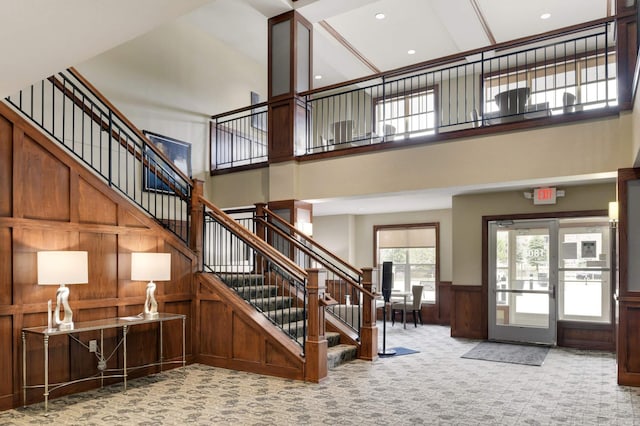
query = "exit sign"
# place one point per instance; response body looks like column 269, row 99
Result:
column 544, row 196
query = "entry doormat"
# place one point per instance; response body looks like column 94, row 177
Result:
column 404, row 351
column 508, row 352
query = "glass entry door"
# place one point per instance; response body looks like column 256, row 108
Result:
column 523, row 273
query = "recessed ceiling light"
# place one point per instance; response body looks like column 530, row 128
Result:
column 380, row 16
column 545, row 16
column 318, row 77
column 411, row 51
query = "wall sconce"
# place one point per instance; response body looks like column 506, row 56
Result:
column 613, row 212
column 62, row 268
column 150, row 267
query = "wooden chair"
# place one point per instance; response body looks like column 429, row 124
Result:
column 414, row 306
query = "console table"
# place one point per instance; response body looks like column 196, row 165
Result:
column 123, row 323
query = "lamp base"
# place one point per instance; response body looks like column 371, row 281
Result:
column 65, row 326
column 150, row 315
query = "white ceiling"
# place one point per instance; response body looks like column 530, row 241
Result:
column 42, row 37
column 45, row 36
column 433, row 28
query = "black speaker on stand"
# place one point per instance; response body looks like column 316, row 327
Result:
column 387, row 279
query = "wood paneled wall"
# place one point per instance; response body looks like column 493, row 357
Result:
column 468, row 312
column 241, row 338
column 50, row 202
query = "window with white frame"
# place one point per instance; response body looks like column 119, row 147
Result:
column 413, row 251
column 409, row 113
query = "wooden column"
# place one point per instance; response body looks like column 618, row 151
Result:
column 290, row 53
column 261, row 232
column 197, row 221
column 628, row 294
column 316, row 344
column 368, row 330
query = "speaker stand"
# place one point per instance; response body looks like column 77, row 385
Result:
column 384, row 351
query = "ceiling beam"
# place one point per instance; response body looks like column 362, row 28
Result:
column 483, row 21
column 343, row 41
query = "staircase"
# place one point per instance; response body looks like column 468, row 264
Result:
column 71, row 111
column 284, row 313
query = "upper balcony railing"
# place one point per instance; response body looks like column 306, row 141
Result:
column 545, row 77
column 239, row 137
column 552, row 75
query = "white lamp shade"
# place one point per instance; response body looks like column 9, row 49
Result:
column 150, row 266
column 613, row 211
column 62, row 267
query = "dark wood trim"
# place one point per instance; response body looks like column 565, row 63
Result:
column 483, row 21
column 226, row 171
column 624, row 176
column 626, row 51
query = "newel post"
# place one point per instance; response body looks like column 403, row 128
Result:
column 316, row 344
column 261, row 230
column 197, row 221
column 368, row 330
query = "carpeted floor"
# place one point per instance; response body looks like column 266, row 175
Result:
column 509, row 352
column 433, row 387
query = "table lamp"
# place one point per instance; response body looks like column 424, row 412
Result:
column 63, row 268
column 151, row 267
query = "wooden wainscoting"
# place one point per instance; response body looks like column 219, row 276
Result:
column 580, row 335
column 232, row 334
column 468, row 312
column 48, row 201
column 629, row 341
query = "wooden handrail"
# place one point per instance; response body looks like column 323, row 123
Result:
column 253, row 240
column 238, row 110
column 315, row 243
column 313, row 255
column 126, row 121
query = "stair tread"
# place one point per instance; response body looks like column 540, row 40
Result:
column 340, row 354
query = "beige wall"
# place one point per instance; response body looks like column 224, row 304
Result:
column 468, row 211
column 170, row 81
column 337, row 234
column 335, row 231
column 239, row 189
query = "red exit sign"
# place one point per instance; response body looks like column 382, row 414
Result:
column 544, row 196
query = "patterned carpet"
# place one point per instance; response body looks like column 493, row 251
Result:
column 433, row 386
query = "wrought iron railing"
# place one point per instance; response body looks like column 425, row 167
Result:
column 267, row 280
column 239, row 138
column 542, row 78
column 537, row 78
column 343, row 281
column 71, row 111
